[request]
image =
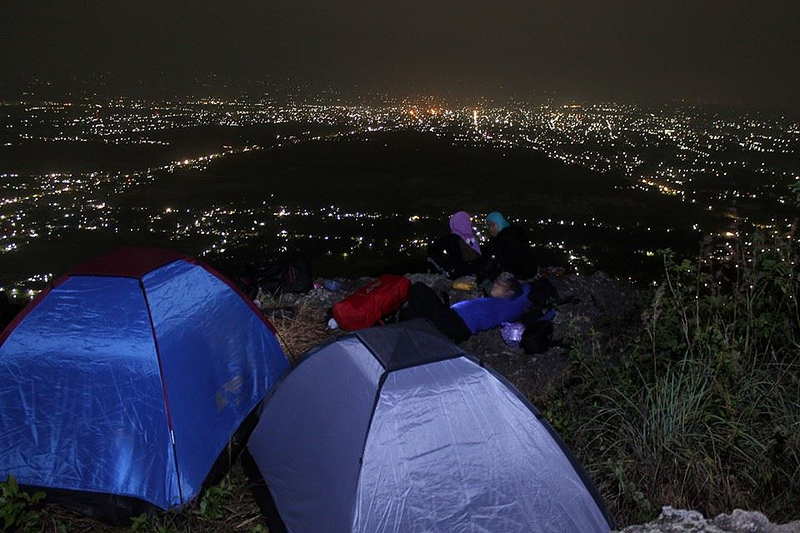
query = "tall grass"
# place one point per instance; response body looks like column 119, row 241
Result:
column 702, row 408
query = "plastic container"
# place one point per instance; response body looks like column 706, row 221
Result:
column 511, row 333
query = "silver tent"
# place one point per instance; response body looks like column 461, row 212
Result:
column 396, row 429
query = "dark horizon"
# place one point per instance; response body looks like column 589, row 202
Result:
column 731, row 53
column 107, row 88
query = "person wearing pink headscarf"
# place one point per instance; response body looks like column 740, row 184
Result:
column 457, row 253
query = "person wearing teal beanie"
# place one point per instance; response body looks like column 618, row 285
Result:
column 508, row 250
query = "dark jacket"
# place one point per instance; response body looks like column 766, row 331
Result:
column 451, row 256
column 510, row 251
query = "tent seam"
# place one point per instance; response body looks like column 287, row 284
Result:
column 163, row 390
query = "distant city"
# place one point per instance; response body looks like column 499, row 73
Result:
column 71, row 169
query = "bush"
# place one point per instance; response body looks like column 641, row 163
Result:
column 19, row 511
column 702, row 409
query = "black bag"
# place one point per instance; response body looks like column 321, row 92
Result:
column 537, row 336
column 543, row 295
column 538, row 319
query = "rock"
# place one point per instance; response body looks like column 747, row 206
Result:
column 753, row 521
column 682, row 521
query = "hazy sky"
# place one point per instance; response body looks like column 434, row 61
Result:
column 720, row 51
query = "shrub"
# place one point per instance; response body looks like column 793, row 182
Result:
column 18, row 510
column 702, row 409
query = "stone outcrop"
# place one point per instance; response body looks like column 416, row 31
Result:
column 682, row 521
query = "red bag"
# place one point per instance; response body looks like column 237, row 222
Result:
column 378, row 298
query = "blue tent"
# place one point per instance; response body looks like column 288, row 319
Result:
column 123, row 383
column 397, row 429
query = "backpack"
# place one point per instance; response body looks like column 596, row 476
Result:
column 538, row 319
column 542, row 296
column 538, row 334
column 288, row 276
column 367, row 305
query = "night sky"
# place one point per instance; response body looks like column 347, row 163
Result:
column 740, row 52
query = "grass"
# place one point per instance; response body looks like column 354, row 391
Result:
column 302, row 331
column 226, row 507
column 701, row 408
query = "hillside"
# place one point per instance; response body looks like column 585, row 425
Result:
column 597, row 316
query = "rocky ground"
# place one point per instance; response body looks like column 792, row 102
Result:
column 596, row 306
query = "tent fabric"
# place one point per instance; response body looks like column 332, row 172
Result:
column 416, row 343
column 131, row 386
column 433, row 442
column 314, row 462
column 487, row 453
column 68, row 391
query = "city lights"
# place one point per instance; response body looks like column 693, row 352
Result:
column 677, row 152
